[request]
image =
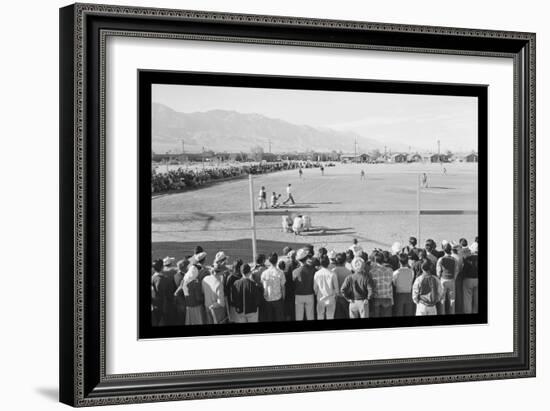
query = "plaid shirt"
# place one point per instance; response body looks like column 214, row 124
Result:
column 382, row 278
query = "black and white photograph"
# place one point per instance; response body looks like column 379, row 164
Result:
column 303, row 208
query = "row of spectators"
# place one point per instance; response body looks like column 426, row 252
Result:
column 307, row 285
column 186, row 178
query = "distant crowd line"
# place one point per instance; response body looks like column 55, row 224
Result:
column 305, row 284
column 186, row 178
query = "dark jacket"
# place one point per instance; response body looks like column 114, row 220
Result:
column 303, row 280
column 357, row 286
column 471, row 268
column 246, row 295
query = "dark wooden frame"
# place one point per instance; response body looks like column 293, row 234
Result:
column 83, row 30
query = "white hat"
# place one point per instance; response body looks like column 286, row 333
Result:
column 168, row 261
column 396, row 247
column 444, row 243
column 301, row 254
column 473, row 248
column 331, row 254
column 220, row 257
column 200, row 256
column 357, row 263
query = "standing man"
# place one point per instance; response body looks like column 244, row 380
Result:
column 342, row 303
column 382, row 278
column 363, row 176
column 470, row 282
column 300, row 172
column 402, row 282
column 426, row 292
column 447, row 270
column 212, row 288
column 273, row 282
column 262, row 198
column 325, row 287
column 357, row 290
column 424, row 180
column 322, row 170
column 162, row 296
column 246, row 296
column 303, row 286
column 289, row 195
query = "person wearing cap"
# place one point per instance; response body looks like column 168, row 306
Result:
column 355, row 247
column 191, row 288
column 273, row 284
column 427, row 291
column 212, row 287
column 182, row 265
column 162, row 293
column 382, row 278
column 297, row 225
column 303, row 286
column 198, row 262
column 262, row 198
column 470, row 281
column 332, row 259
column 447, row 270
column 246, row 297
column 402, row 283
column 325, row 287
column 289, row 194
column 357, row 289
column 341, row 272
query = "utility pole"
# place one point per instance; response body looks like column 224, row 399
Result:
column 203, row 157
column 269, row 142
column 355, row 151
column 182, row 146
column 439, row 152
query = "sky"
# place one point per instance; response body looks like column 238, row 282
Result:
column 407, row 119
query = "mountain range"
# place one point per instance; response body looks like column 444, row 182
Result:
column 231, row 131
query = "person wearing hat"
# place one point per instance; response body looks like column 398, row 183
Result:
column 355, row 247
column 447, row 270
column 332, row 259
column 262, row 198
column 212, row 287
column 162, row 293
column 273, row 284
column 302, row 277
column 357, row 289
column 325, row 287
column 191, row 288
column 470, row 281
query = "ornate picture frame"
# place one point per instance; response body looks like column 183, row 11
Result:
column 84, row 30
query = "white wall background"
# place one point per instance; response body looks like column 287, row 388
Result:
column 29, row 206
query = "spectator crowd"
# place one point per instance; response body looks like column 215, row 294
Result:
column 305, row 284
column 188, row 178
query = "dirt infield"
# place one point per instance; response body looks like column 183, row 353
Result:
column 377, row 211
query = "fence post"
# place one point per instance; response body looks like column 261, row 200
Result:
column 418, row 209
column 252, row 217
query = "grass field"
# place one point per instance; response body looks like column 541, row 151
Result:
column 342, row 207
